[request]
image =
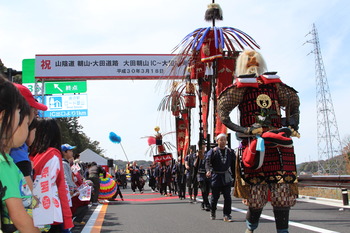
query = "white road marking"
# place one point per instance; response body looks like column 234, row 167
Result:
column 291, row 223
column 90, row 224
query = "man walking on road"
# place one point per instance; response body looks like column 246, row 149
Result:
column 220, row 166
column 191, row 179
column 135, row 177
column 204, row 181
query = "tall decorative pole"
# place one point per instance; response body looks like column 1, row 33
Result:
column 210, row 55
column 217, row 14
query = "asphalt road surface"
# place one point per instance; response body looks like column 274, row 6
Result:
column 151, row 212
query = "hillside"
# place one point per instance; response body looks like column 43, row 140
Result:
column 122, row 164
column 337, row 164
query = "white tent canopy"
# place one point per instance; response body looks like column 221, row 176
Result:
column 88, row 156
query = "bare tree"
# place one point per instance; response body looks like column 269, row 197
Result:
column 346, row 153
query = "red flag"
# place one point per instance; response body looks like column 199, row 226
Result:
column 225, row 69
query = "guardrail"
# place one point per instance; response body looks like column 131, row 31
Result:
column 331, row 181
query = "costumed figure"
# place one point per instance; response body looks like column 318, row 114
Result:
column 266, row 159
column 158, row 149
column 220, row 167
column 156, row 144
column 108, row 186
column 135, row 177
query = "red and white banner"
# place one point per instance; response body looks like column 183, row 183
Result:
column 107, row 66
column 162, row 157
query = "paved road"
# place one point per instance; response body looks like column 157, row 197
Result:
column 151, row 212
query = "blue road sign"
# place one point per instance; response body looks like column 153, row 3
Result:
column 66, row 113
column 66, row 106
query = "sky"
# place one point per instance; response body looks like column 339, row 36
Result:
column 129, row 108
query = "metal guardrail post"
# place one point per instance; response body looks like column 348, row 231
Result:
column 344, row 192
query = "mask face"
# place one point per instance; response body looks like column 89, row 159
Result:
column 252, row 64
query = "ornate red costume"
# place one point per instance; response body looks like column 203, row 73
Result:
column 260, row 99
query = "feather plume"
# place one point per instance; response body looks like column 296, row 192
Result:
column 114, row 138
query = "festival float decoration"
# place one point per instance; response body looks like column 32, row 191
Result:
column 210, row 54
column 180, row 101
column 108, row 187
column 158, row 148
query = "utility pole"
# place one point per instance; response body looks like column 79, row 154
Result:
column 328, row 139
column 11, row 72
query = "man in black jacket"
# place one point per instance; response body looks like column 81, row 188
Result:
column 135, row 177
column 191, row 179
column 204, row 181
column 220, row 166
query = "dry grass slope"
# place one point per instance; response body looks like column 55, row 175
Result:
column 332, row 193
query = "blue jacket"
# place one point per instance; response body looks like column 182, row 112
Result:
column 222, row 174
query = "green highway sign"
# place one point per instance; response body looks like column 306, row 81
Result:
column 57, row 87
column 28, row 70
column 65, row 87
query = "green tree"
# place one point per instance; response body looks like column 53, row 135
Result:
column 2, row 67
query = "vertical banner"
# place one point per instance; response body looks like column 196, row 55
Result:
column 224, row 79
column 187, row 132
column 180, row 136
column 206, row 92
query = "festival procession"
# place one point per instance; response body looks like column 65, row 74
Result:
column 50, row 182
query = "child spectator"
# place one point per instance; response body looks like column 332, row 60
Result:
column 79, row 208
column 16, row 198
column 20, row 154
column 48, row 168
